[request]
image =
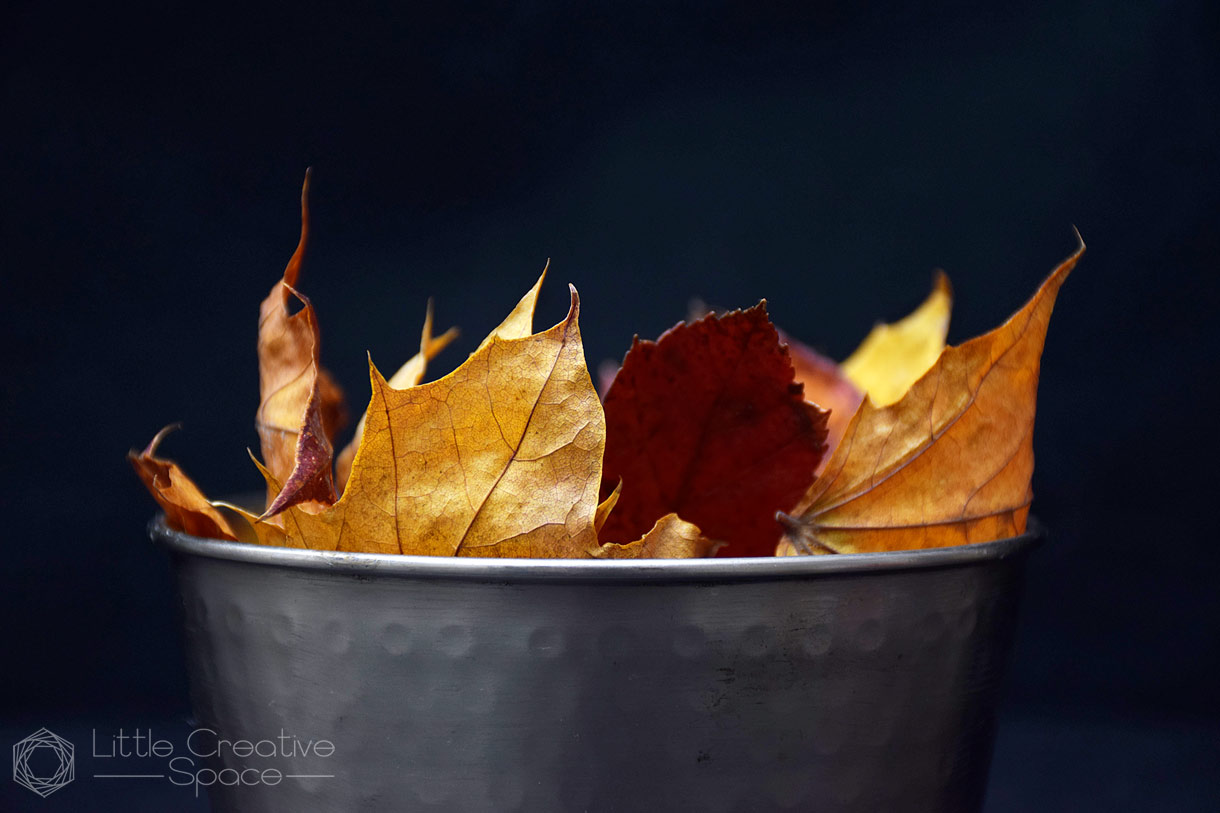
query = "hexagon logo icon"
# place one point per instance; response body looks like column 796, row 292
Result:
column 44, row 750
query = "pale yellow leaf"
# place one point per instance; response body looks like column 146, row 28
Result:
column 520, row 322
column 502, row 457
column 892, row 357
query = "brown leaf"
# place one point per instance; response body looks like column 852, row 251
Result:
column 185, row 507
column 950, row 462
column 291, row 427
column 670, row 538
column 707, row 423
column 498, row 458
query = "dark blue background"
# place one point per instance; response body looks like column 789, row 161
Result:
column 826, row 157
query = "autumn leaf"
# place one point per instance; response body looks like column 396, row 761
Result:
column 708, row 436
column 252, row 527
column 498, row 458
column 606, row 506
column 949, row 462
column 332, row 405
column 893, row 357
column 670, row 538
column 408, row 375
column 827, row 386
column 185, row 507
column 889, row 360
column 296, row 398
column 707, row 423
column 520, row 321
column 696, row 309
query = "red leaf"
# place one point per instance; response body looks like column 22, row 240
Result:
column 826, row 386
column 708, row 423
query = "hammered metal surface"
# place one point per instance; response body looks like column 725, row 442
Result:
column 839, row 691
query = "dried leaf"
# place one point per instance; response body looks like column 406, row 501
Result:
column 290, row 423
column 606, row 506
column 711, row 426
column 893, row 357
column 333, row 405
column 670, row 538
column 950, row 462
column 185, row 507
column 520, row 322
column 412, row 373
column 707, row 423
column 258, row 529
column 408, row 375
column 827, row 386
column 498, row 458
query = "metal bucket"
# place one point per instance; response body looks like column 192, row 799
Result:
column 832, row 683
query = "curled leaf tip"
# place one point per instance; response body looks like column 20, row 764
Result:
column 427, row 330
column 186, row 508
column 304, row 300
column 151, row 448
column 941, row 284
column 293, row 270
column 574, row 308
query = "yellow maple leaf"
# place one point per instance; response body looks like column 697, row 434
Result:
column 502, row 457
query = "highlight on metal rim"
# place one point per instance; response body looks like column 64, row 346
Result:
column 594, row 570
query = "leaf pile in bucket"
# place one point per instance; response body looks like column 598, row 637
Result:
column 722, row 437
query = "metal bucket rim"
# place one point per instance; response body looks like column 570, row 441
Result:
column 726, row 569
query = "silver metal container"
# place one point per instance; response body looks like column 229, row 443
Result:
column 831, row 683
